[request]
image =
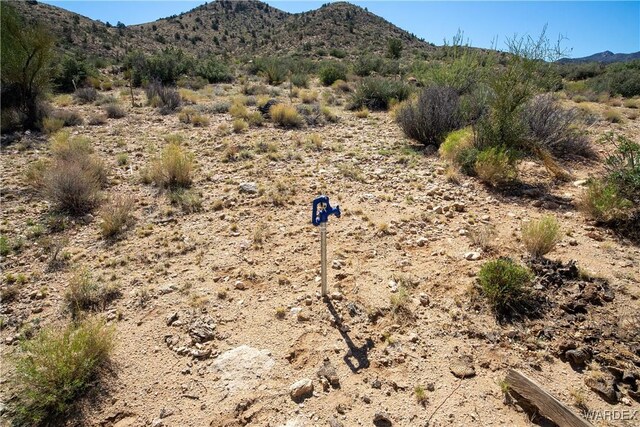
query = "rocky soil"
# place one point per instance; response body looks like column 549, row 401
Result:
column 220, row 322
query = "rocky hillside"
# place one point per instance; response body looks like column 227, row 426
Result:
column 232, row 28
column 606, row 57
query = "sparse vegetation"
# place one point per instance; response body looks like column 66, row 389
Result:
column 541, row 236
column 505, row 284
column 72, row 180
column 116, row 216
column 285, row 115
column 495, row 165
column 56, row 366
column 173, row 168
column 378, row 93
column 85, row 293
column 430, row 117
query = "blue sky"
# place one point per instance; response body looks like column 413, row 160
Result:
column 589, row 26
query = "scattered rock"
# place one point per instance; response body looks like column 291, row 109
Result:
column 333, row 422
column 472, row 256
column 578, row 356
column 604, row 386
column 382, row 418
column 301, row 389
column 172, row 318
column 462, row 367
column 202, row 331
column 248, row 188
column 329, row 372
column 243, row 367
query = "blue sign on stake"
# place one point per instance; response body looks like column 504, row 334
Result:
column 319, row 217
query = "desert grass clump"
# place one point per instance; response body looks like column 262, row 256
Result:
column 612, row 116
column 285, row 115
column 71, row 181
column 114, row 111
column 51, row 125
column 86, row 294
column 431, row 116
column 308, row 96
column 56, row 366
column 191, row 116
column 362, row 113
column 70, row 118
column 400, row 305
column 495, row 166
column 189, row 200
column 240, row 125
column 603, row 202
column 85, row 95
column 97, row 120
column 173, row 168
column 116, row 216
column 541, row 236
column 300, row 80
column 505, row 284
column 238, row 110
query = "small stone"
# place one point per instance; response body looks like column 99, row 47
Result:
column 329, row 372
column 249, row 188
column 239, row 285
column 573, row 242
column 376, row 383
column 337, row 296
column 333, row 422
column 303, row 316
column 438, row 209
column 157, row 423
column 366, row 399
column 422, row 241
column 172, row 318
column 301, row 389
column 462, row 367
column 424, row 300
column 472, row 256
column 382, row 417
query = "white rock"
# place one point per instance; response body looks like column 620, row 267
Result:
column 301, row 388
column 472, row 256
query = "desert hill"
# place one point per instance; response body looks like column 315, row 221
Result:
column 234, row 28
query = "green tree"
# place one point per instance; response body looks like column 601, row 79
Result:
column 26, row 52
column 394, row 48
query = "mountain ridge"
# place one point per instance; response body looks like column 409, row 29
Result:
column 606, row 57
column 247, row 28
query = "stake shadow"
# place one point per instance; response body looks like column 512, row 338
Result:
column 360, row 354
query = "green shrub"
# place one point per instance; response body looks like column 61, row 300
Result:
column 365, row 65
column 25, row 70
column 458, row 149
column 619, row 79
column 394, row 48
column 56, row 367
column 623, row 165
column 332, row 71
column 376, row 93
column 300, row 80
column 431, row 116
column 215, row 71
column 5, row 248
column 603, row 202
column 541, row 236
column 274, row 70
column 505, row 284
column 495, row 165
column 72, row 73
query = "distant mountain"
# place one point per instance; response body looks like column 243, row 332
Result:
column 605, row 57
column 233, row 28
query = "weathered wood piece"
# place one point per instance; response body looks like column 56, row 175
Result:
column 547, row 404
